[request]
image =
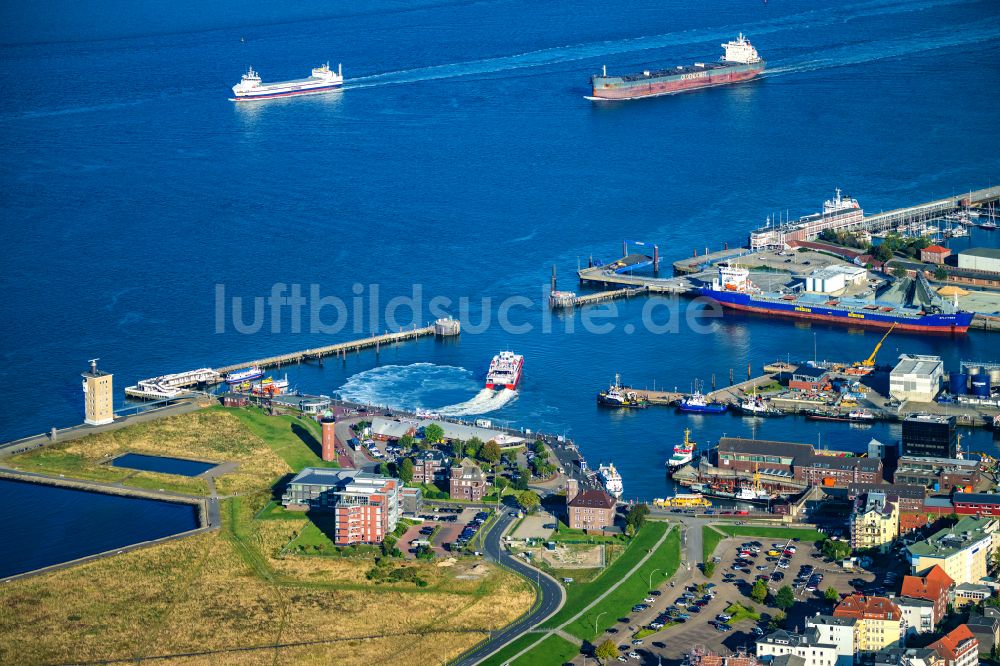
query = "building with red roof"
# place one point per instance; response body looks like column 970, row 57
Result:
column 934, row 254
column 959, row 647
column 933, row 586
column 879, row 621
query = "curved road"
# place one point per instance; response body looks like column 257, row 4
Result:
column 551, row 592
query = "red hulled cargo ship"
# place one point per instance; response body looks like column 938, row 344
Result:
column 740, row 63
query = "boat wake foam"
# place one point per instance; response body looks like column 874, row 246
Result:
column 410, row 387
column 422, row 386
column 484, row 402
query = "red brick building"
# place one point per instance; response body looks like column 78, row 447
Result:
column 429, row 466
column 467, row 481
column 934, row 254
column 800, row 461
column 591, row 510
column 976, row 504
column 934, row 586
column 366, row 507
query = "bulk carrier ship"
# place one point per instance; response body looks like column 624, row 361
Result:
column 740, row 63
column 733, row 289
column 323, row 80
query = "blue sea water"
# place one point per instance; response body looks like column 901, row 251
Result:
column 77, row 523
column 162, row 464
column 461, row 157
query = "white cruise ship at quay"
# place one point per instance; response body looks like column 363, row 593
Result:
column 323, row 80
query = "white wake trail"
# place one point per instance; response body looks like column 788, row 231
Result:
column 557, row 55
column 487, row 400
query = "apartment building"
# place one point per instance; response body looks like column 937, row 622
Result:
column 366, row 507
column 879, row 621
column 874, row 521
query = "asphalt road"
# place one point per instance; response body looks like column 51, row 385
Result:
column 551, row 594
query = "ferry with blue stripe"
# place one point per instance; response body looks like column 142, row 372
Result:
column 323, row 80
column 733, row 290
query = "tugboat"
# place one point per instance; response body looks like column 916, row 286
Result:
column 755, row 405
column 619, row 396
column 683, row 453
column 697, row 404
column 611, row 479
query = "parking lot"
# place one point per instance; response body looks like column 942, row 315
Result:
column 696, row 612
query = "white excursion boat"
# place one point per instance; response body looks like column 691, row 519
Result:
column 611, row 479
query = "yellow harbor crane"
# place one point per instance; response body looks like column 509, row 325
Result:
column 866, row 366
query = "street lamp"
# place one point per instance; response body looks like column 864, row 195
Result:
column 650, row 585
column 598, row 620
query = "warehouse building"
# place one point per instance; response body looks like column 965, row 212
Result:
column 980, row 259
column 916, row 377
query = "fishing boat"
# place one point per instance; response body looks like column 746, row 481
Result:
column 683, row 453
column 619, row 396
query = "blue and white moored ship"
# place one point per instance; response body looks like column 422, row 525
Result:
column 245, row 375
column 323, row 80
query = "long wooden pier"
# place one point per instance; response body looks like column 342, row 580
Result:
column 339, row 349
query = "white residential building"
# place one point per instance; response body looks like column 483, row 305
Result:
column 841, row 632
column 918, row 615
column 805, row 646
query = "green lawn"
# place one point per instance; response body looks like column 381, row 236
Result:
column 297, row 441
column 567, row 535
column 553, row 651
column 274, row 511
column 310, row 539
column 710, row 539
column 740, row 612
column 655, row 571
column 804, row 534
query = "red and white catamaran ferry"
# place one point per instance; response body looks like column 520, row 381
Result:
column 505, row 371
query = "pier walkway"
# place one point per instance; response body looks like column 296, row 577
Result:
column 932, row 209
column 339, row 349
column 601, row 275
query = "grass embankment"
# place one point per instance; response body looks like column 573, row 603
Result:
column 215, row 434
column 232, row 596
column 804, row 534
column 553, row 650
column 567, row 535
column 710, row 538
column 655, row 571
column 659, row 567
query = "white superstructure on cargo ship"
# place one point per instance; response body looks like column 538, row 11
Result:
column 323, row 79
